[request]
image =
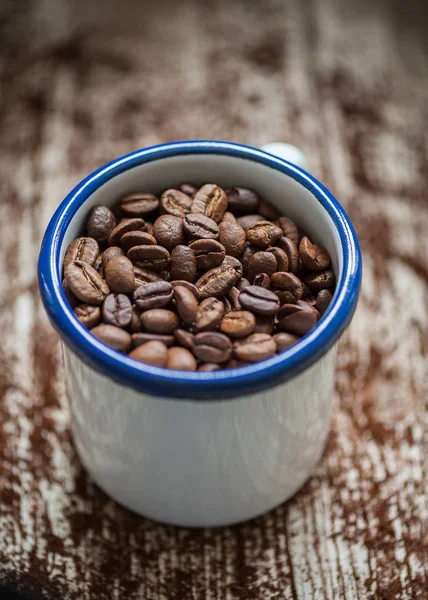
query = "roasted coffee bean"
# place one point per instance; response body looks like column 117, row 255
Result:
column 184, row 338
column 117, row 310
column 235, row 364
column 180, row 359
column 285, row 340
column 88, row 315
column 159, row 320
column 148, row 227
column 208, row 253
column 145, row 276
column 186, row 304
column 123, row 227
column 227, row 305
column 198, row 226
column 213, row 347
column 153, row 258
column 85, row 283
column 209, row 315
column 292, row 253
column 137, row 238
column 242, row 201
column 187, row 285
column 168, row 231
column 287, row 286
column 242, row 283
column 234, row 263
column 264, row 324
column 188, row 188
column 268, row 211
column 233, row 238
column 209, row 367
column 289, row 229
column 100, row 224
column 238, row 324
column 261, row 263
column 320, row 281
column 71, row 298
column 119, row 274
column 183, row 263
column 249, row 220
column 98, row 265
column 323, row 300
column 211, row 201
column 110, row 253
column 228, row 217
column 281, row 258
column 175, row 203
column 297, row 318
column 263, row 234
column 246, row 257
column 262, row 280
column 153, row 353
column 218, row 281
column 113, row 336
column 135, row 325
column 258, row 300
column 142, row 338
column 312, row 256
column 257, row 346
column 157, row 294
column 138, row 204
column 84, row 249
column 233, row 297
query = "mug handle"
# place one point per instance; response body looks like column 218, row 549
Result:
column 286, row 151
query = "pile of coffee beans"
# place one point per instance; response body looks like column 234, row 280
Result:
column 198, row 279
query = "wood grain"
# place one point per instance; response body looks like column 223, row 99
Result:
column 346, row 82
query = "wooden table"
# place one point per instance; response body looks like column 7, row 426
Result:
column 347, row 82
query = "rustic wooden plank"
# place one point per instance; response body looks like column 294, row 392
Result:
column 347, row 82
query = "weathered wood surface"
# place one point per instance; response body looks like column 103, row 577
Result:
column 348, row 83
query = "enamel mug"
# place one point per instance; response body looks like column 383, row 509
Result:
column 195, row 448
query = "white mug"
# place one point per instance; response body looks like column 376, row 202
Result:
column 195, row 448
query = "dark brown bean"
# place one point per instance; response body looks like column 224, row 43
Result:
column 135, row 325
column 324, row 298
column 289, row 229
column 261, row 262
column 100, row 224
column 209, row 367
column 292, row 253
column 138, row 204
column 217, row 282
column 258, row 300
column 183, row 263
column 85, row 283
column 312, row 256
column 320, row 281
column 98, row 265
column 238, row 324
column 117, row 338
column 187, row 285
column 233, row 297
column 198, row 226
column 84, row 249
column 88, row 315
column 184, row 338
column 208, row 253
column 235, row 364
column 210, row 346
column 153, row 353
column 262, row 280
column 243, row 201
column 188, row 188
column 268, row 211
column 168, row 231
column 186, row 304
column 285, row 340
column 258, row 346
column 264, row 324
column 211, row 201
column 117, row 310
column 281, row 258
column 175, row 203
column 137, row 238
column 157, row 294
column 233, row 238
column 153, row 258
column 248, row 220
column 209, row 314
column 180, row 359
column 144, row 276
column 246, row 257
column 159, row 320
column 263, row 234
column 297, row 318
column 142, row 338
column 242, row 283
column 228, row 217
column 123, row 227
column 234, row 263
column 110, row 253
column 287, row 286
column 119, row 274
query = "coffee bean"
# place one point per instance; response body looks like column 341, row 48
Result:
column 209, row 314
column 142, row 338
column 138, row 205
column 233, row 238
column 188, row 188
column 312, row 256
column 242, row 283
column 292, row 253
column 227, row 305
column 287, row 286
column 289, row 229
column 184, row 338
column 209, row 367
column 198, row 226
column 152, row 353
column 85, row 283
column 285, row 340
column 228, row 217
column 110, row 253
column 119, row 274
column 148, row 227
column 258, row 300
column 186, row 304
column 71, row 298
column 183, row 263
column 153, row 258
column 175, row 203
column 100, row 224
column 238, row 324
column 320, row 281
column 180, row 359
column 233, row 297
column 123, row 227
column 84, row 249
column 88, row 315
column 135, row 325
column 113, row 336
column 211, row 201
column 262, row 280
column 235, row 364
column 242, row 201
column 117, row 310
column 263, row 234
column 137, row 238
column 159, row 320
column 234, row 263
column 168, row 231
column 157, row 294
column 264, row 324
column 268, row 211
column 248, row 220
column 217, row 282
column 143, row 276
column 187, row 285
column 323, row 300
column 257, row 346
column 208, row 253
column 246, row 257
column 261, row 262
column 281, row 258
column 98, row 265
column 297, row 318
column 212, row 347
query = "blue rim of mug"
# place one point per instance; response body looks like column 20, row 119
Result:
column 184, row 384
